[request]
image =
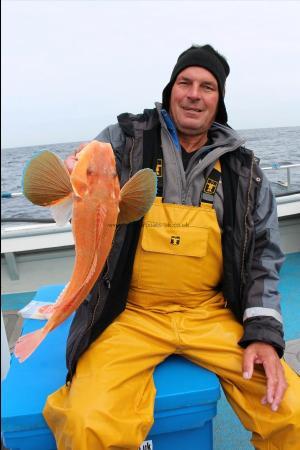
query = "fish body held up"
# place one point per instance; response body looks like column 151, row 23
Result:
column 91, row 195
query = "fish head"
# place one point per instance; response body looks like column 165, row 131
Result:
column 95, row 175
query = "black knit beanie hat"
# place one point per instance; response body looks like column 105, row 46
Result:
column 204, row 56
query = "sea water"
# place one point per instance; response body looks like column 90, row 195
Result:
column 272, row 145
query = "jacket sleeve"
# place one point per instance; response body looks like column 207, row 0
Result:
column 114, row 136
column 262, row 315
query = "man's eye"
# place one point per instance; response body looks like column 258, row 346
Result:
column 208, row 88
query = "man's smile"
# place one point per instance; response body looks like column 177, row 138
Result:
column 191, row 109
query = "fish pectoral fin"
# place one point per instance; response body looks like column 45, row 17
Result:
column 62, row 211
column 46, row 180
column 137, row 196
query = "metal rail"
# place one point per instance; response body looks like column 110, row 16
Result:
column 280, row 166
column 274, row 166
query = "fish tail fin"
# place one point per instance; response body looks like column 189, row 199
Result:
column 27, row 344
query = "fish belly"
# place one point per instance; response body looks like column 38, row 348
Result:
column 93, row 235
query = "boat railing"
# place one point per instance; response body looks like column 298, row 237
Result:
column 34, row 230
column 283, row 166
column 285, row 192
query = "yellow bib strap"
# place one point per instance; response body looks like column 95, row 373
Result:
column 218, row 166
column 211, row 184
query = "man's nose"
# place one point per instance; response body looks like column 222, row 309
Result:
column 194, row 92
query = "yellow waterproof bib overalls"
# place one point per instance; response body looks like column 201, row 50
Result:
column 174, row 306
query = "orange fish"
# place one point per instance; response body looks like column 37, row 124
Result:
column 92, row 196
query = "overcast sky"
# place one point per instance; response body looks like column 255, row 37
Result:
column 70, row 67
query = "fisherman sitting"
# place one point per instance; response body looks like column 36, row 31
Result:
column 197, row 276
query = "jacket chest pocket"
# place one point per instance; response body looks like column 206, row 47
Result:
column 171, row 250
column 181, row 240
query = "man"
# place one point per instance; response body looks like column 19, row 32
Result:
column 197, row 277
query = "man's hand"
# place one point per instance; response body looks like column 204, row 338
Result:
column 265, row 354
column 71, row 160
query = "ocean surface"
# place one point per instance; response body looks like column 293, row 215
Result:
column 272, row 145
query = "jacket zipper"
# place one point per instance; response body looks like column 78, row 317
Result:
column 245, row 226
column 130, row 158
column 105, row 278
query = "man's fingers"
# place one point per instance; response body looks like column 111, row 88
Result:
column 71, row 159
column 70, row 162
column 276, row 383
column 248, row 364
column 271, row 388
column 272, row 379
column 280, row 389
column 265, row 354
column 80, row 147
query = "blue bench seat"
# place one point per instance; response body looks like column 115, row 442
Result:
column 185, row 403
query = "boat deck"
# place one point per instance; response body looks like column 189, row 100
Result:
column 228, row 433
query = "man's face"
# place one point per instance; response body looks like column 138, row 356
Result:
column 194, row 100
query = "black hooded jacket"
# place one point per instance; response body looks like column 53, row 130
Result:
column 136, row 143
